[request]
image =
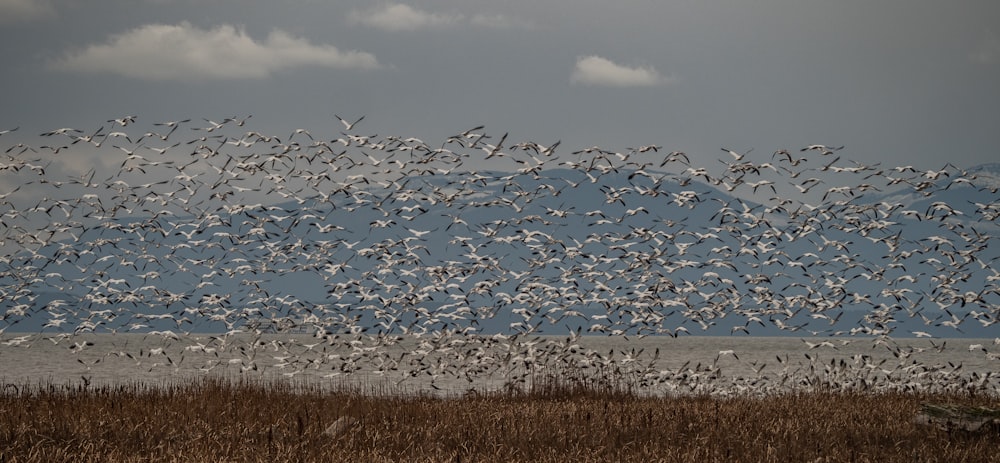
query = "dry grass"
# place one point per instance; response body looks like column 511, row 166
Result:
column 240, row 421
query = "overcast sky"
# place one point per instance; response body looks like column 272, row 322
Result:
column 903, row 82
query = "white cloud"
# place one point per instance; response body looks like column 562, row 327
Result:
column 398, row 17
column 184, row 52
column 595, row 70
column 498, row 21
column 12, row 11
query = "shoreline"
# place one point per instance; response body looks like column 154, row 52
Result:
column 671, row 366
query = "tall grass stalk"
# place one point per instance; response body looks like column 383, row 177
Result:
column 553, row 420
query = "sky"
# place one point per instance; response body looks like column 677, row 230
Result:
column 901, row 82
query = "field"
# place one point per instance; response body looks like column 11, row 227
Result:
column 217, row 420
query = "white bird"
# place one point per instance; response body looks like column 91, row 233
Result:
column 348, row 125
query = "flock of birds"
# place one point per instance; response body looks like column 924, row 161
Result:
column 410, row 259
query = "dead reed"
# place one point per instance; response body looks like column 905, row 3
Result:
column 221, row 420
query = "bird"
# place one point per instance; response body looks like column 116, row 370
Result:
column 348, row 126
column 823, row 149
column 424, row 266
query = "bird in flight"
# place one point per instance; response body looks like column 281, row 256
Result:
column 348, row 125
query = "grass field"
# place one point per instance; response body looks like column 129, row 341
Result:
column 214, row 420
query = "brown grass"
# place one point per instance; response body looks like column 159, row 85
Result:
column 214, row 420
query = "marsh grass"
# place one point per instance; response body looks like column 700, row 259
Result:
column 223, row 420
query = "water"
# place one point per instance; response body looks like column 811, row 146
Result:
column 452, row 365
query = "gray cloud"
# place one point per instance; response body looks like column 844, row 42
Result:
column 988, row 49
column 896, row 81
column 24, row 10
column 183, row 52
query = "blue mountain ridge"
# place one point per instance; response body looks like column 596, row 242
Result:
column 498, row 252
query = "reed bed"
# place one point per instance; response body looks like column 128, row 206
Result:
column 225, row 420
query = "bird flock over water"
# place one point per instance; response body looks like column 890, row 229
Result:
column 484, row 256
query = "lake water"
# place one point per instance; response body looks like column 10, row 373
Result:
column 452, row 364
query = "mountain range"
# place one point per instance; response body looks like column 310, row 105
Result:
column 614, row 251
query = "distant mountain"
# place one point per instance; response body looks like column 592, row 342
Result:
column 626, row 251
column 979, row 184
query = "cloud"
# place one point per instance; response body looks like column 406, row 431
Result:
column 595, row 70
column 988, row 50
column 398, row 17
column 12, row 11
column 186, row 53
column 498, row 21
